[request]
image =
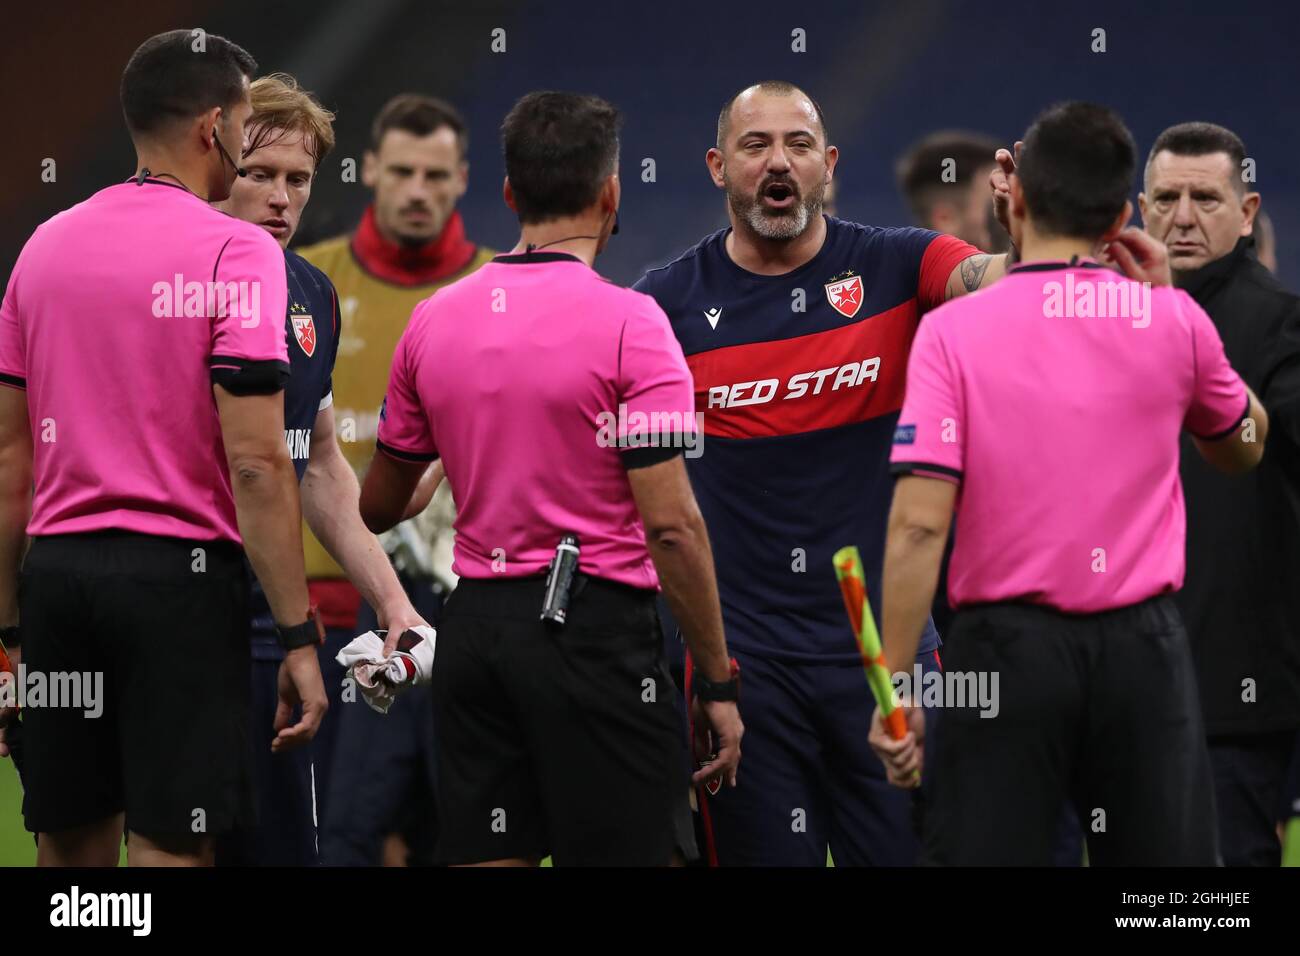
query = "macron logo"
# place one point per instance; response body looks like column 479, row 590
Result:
column 133, row 910
column 713, row 315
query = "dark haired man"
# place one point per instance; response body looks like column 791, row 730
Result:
column 410, row 243
column 944, row 179
column 1240, row 601
column 1069, row 543
column 529, row 379
column 141, row 503
column 796, row 328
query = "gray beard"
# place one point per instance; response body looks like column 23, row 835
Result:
column 783, row 226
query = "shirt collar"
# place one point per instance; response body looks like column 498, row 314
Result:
column 523, row 258
column 1047, row 265
column 1199, row 282
column 445, row 255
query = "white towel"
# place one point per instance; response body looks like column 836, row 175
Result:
column 381, row 678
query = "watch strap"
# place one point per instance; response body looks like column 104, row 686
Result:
column 728, row 690
column 309, row 632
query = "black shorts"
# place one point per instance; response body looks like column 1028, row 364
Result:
column 556, row 741
column 1098, row 709
column 165, row 622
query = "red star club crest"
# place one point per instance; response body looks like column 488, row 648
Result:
column 845, row 295
column 305, row 331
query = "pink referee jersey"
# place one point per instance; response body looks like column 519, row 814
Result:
column 118, row 314
column 524, row 377
column 1056, row 399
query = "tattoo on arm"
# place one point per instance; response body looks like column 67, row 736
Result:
column 973, row 269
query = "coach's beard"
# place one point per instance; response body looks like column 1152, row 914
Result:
column 779, row 224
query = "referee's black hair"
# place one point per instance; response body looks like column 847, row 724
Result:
column 180, row 74
column 1077, row 169
column 559, row 150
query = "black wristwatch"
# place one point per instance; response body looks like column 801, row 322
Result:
column 11, row 637
column 309, row 632
column 728, row 690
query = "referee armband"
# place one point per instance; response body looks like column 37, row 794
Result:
column 244, row 377
column 669, row 447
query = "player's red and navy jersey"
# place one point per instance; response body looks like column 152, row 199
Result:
column 312, row 326
column 800, row 379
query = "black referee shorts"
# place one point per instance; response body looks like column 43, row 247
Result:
column 1099, row 709
column 561, row 741
column 164, row 622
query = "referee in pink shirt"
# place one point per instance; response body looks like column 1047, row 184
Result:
column 560, row 405
column 142, row 343
column 1047, row 411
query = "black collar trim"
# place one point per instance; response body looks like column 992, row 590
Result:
column 1052, row 266
column 155, row 182
column 522, row 258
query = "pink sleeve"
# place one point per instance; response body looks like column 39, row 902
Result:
column 251, row 299
column 656, row 413
column 929, row 439
column 1219, row 400
column 404, row 431
column 941, row 256
column 13, row 350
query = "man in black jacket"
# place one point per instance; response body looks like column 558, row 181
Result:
column 1241, row 600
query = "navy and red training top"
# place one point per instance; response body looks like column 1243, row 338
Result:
column 800, row 379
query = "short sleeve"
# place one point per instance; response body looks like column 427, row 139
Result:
column 13, row 348
column 656, row 414
column 929, row 439
column 250, row 353
column 404, row 431
column 1219, row 399
column 941, row 256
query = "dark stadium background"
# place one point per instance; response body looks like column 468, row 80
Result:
column 885, row 72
